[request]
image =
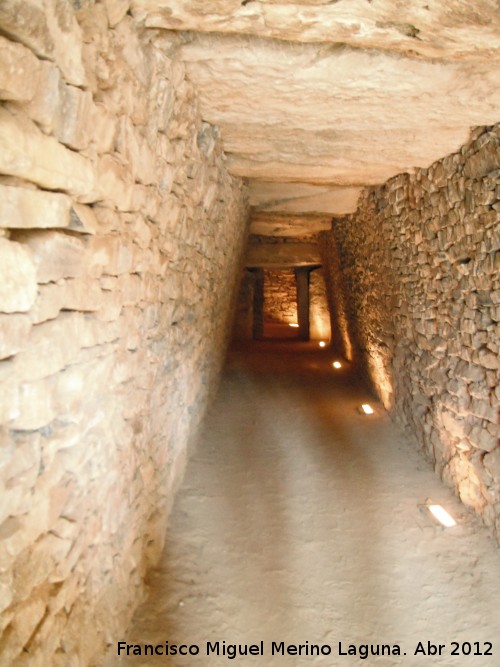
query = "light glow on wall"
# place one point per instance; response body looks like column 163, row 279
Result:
column 444, row 518
column 367, row 409
column 381, row 376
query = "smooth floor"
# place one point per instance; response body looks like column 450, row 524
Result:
column 300, row 524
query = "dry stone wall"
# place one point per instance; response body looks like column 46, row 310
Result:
column 280, row 296
column 120, row 236
column 420, row 265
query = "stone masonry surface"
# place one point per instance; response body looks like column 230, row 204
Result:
column 420, row 263
column 280, row 296
column 121, row 233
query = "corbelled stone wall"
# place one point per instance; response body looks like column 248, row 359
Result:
column 121, row 236
column 280, row 296
column 420, row 265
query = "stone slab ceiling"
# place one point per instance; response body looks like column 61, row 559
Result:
column 284, row 255
column 290, row 225
column 332, row 96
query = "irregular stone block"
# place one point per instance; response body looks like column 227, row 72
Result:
column 80, row 294
column 50, row 30
column 26, row 152
column 87, row 380
column 83, row 219
column 487, row 159
column 9, row 390
column 23, row 208
column 492, row 463
column 55, row 254
column 12, row 540
column 136, row 152
column 487, row 359
column 164, row 100
column 114, row 183
column 14, row 332
column 47, row 98
column 483, row 439
column 73, row 122
column 36, row 407
column 111, row 253
column 52, row 346
column 110, row 308
column 141, row 231
column 28, row 616
column 6, row 590
column 483, row 409
column 18, row 286
column 470, row 372
column 103, row 123
column 116, row 10
column 48, row 303
column 131, row 289
column 19, row 71
column 39, row 563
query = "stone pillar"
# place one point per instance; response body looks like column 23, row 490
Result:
column 302, row 277
column 258, row 305
column 319, row 314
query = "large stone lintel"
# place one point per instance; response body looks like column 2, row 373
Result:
column 282, row 255
column 305, row 197
column 290, row 225
column 334, row 116
column 436, row 31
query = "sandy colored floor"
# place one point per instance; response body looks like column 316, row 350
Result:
column 299, row 522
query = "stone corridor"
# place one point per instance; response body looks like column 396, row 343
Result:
column 180, row 176
column 299, row 521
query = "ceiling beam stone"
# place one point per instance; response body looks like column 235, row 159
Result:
column 282, row 255
column 296, row 198
column 335, row 116
column 450, row 29
column 291, row 225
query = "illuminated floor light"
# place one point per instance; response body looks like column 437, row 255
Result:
column 294, row 325
column 367, row 409
column 337, row 364
column 322, row 343
column 442, row 516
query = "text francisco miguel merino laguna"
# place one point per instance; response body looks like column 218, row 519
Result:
column 232, row 651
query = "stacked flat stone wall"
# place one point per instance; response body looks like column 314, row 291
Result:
column 121, row 234
column 418, row 273
column 280, row 296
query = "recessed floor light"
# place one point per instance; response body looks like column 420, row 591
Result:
column 367, row 409
column 294, row 325
column 322, row 343
column 337, row 364
column 444, row 518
